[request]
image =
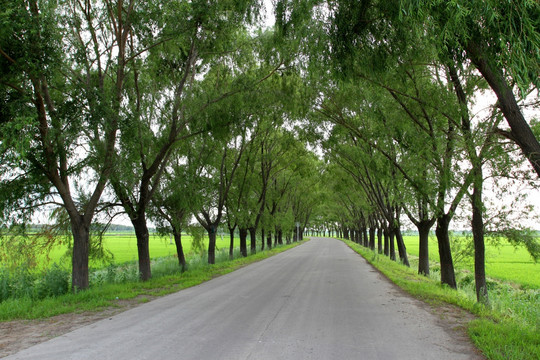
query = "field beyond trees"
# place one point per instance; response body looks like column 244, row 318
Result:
column 122, row 247
column 504, row 261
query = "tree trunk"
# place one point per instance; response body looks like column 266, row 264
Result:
column 521, row 132
column 478, row 238
column 366, row 238
column 386, row 242
column 179, row 248
column 401, row 248
column 506, row 102
column 212, row 244
column 269, row 240
column 391, row 238
column 141, row 232
column 81, row 247
column 372, row 238
column 231, row 243
column 445, row 253
column 262, row 239
column 253, row 239
column 243, row 241
column 379, row 240
column 279, row 236
column 423, row 237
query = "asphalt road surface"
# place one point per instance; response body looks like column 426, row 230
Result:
column 319, row 300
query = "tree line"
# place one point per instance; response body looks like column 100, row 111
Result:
column 394, row 111
column 158, row 111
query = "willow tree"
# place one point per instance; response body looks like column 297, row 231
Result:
column 170, row 207
column 196, row 63
column 63, row 84
column 501, row 39
column 214, row 177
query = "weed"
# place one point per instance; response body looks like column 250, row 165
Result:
column 54, row 282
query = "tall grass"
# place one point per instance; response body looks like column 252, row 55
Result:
column 24, row 283
column 44, row 280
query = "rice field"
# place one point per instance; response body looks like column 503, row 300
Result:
column 503, row 261
column 123, row 247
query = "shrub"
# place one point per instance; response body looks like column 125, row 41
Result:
column 5, row 286
column 22, row 282
column 54, row 282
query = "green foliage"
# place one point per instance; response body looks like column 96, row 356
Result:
column 492, row 25
column 54, row 282
column 24, row 283
column 519, row 237
column 197, row 234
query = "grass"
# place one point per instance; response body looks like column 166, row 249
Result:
column 503, row 262
column 509, row 329
column 167, row 279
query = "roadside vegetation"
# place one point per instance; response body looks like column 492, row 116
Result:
column 507, row 328
column 42, row 295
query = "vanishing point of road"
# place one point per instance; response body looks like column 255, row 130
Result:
column 319, row 300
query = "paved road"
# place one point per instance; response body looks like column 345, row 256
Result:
column 317, row 301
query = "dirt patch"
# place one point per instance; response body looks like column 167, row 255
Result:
column 454, row 321
column 21, row 334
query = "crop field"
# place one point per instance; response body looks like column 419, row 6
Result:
column 123, row 247
column 504, row 261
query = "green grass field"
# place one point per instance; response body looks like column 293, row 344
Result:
column 124, row 248
column 503, row 262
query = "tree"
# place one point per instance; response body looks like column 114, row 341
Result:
column 63, row 75
column 171, row 205
column 505, row 52
column 194, row 67
column 216, row 176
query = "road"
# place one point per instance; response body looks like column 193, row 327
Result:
column 319, row 300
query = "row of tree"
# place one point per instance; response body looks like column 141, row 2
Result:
column 160, row 110
column 396, row 84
